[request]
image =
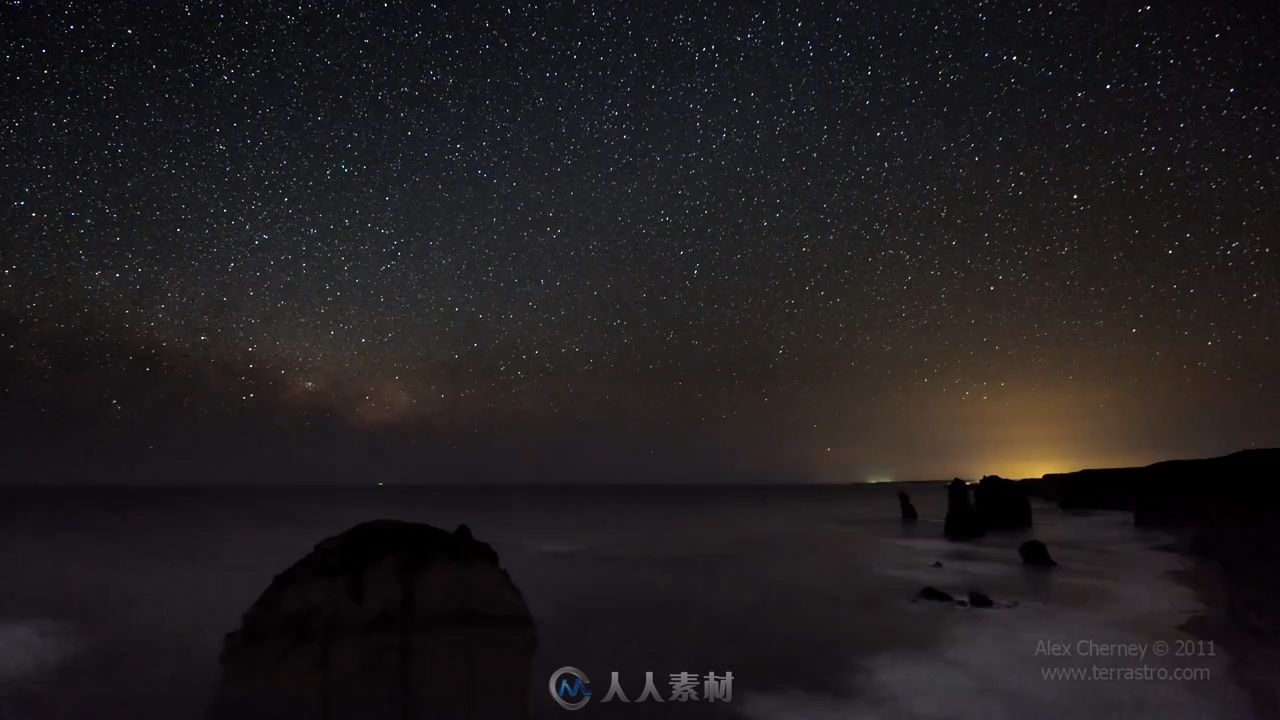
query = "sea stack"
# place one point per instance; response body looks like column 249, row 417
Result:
column 1035, row 553
column 908, row 510
column 1002, row 504
column 962, row 521
column 389, row 619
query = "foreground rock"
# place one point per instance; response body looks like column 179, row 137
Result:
column 962, row 521
column 1002, row 504
column 908, row 510
column 1035, row 553
column 386, row 620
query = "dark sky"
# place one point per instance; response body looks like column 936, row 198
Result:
column 659, row 241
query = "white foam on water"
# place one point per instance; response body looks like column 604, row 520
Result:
column 557, row 549
column 29, row 648
column 986, row 665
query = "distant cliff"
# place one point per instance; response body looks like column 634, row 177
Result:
column 1174, row 492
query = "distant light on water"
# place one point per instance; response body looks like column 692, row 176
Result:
column 877, row 479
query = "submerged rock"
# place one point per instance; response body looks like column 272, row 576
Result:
column 1035, row 553
column 389, row 619
column 908, row 510
column 975, row 599
column 962, row 521
column 1002, row 504
column 936, row 595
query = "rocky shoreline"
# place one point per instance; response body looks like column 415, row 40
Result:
column 1225, row 513
column 1253, row 661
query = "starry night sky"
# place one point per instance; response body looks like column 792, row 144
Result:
column 631, row 242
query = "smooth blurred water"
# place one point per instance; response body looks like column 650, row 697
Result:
column 115, row 601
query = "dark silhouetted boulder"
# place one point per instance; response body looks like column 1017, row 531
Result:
column 387, row 620
column 980, row 600
column 908, row 510
column 1035, row 553
column 1002, row 504
column 936, row 595
column 962, row 521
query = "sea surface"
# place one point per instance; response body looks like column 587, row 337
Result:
column 114, row 601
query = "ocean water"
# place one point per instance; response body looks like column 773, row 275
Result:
column 114, row 602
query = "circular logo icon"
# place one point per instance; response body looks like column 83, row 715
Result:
column 570, row 688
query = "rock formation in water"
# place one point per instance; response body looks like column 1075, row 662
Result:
column 908, row 510
column 387, row 620
column 980, row 600
column 962, row 521
column 936, row 595
column 1035, row 553
column 976, row 599
column 1002, row 504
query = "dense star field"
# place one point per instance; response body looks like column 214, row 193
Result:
column 635, row 241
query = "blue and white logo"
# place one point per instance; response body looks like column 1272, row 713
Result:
column 569, row 688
